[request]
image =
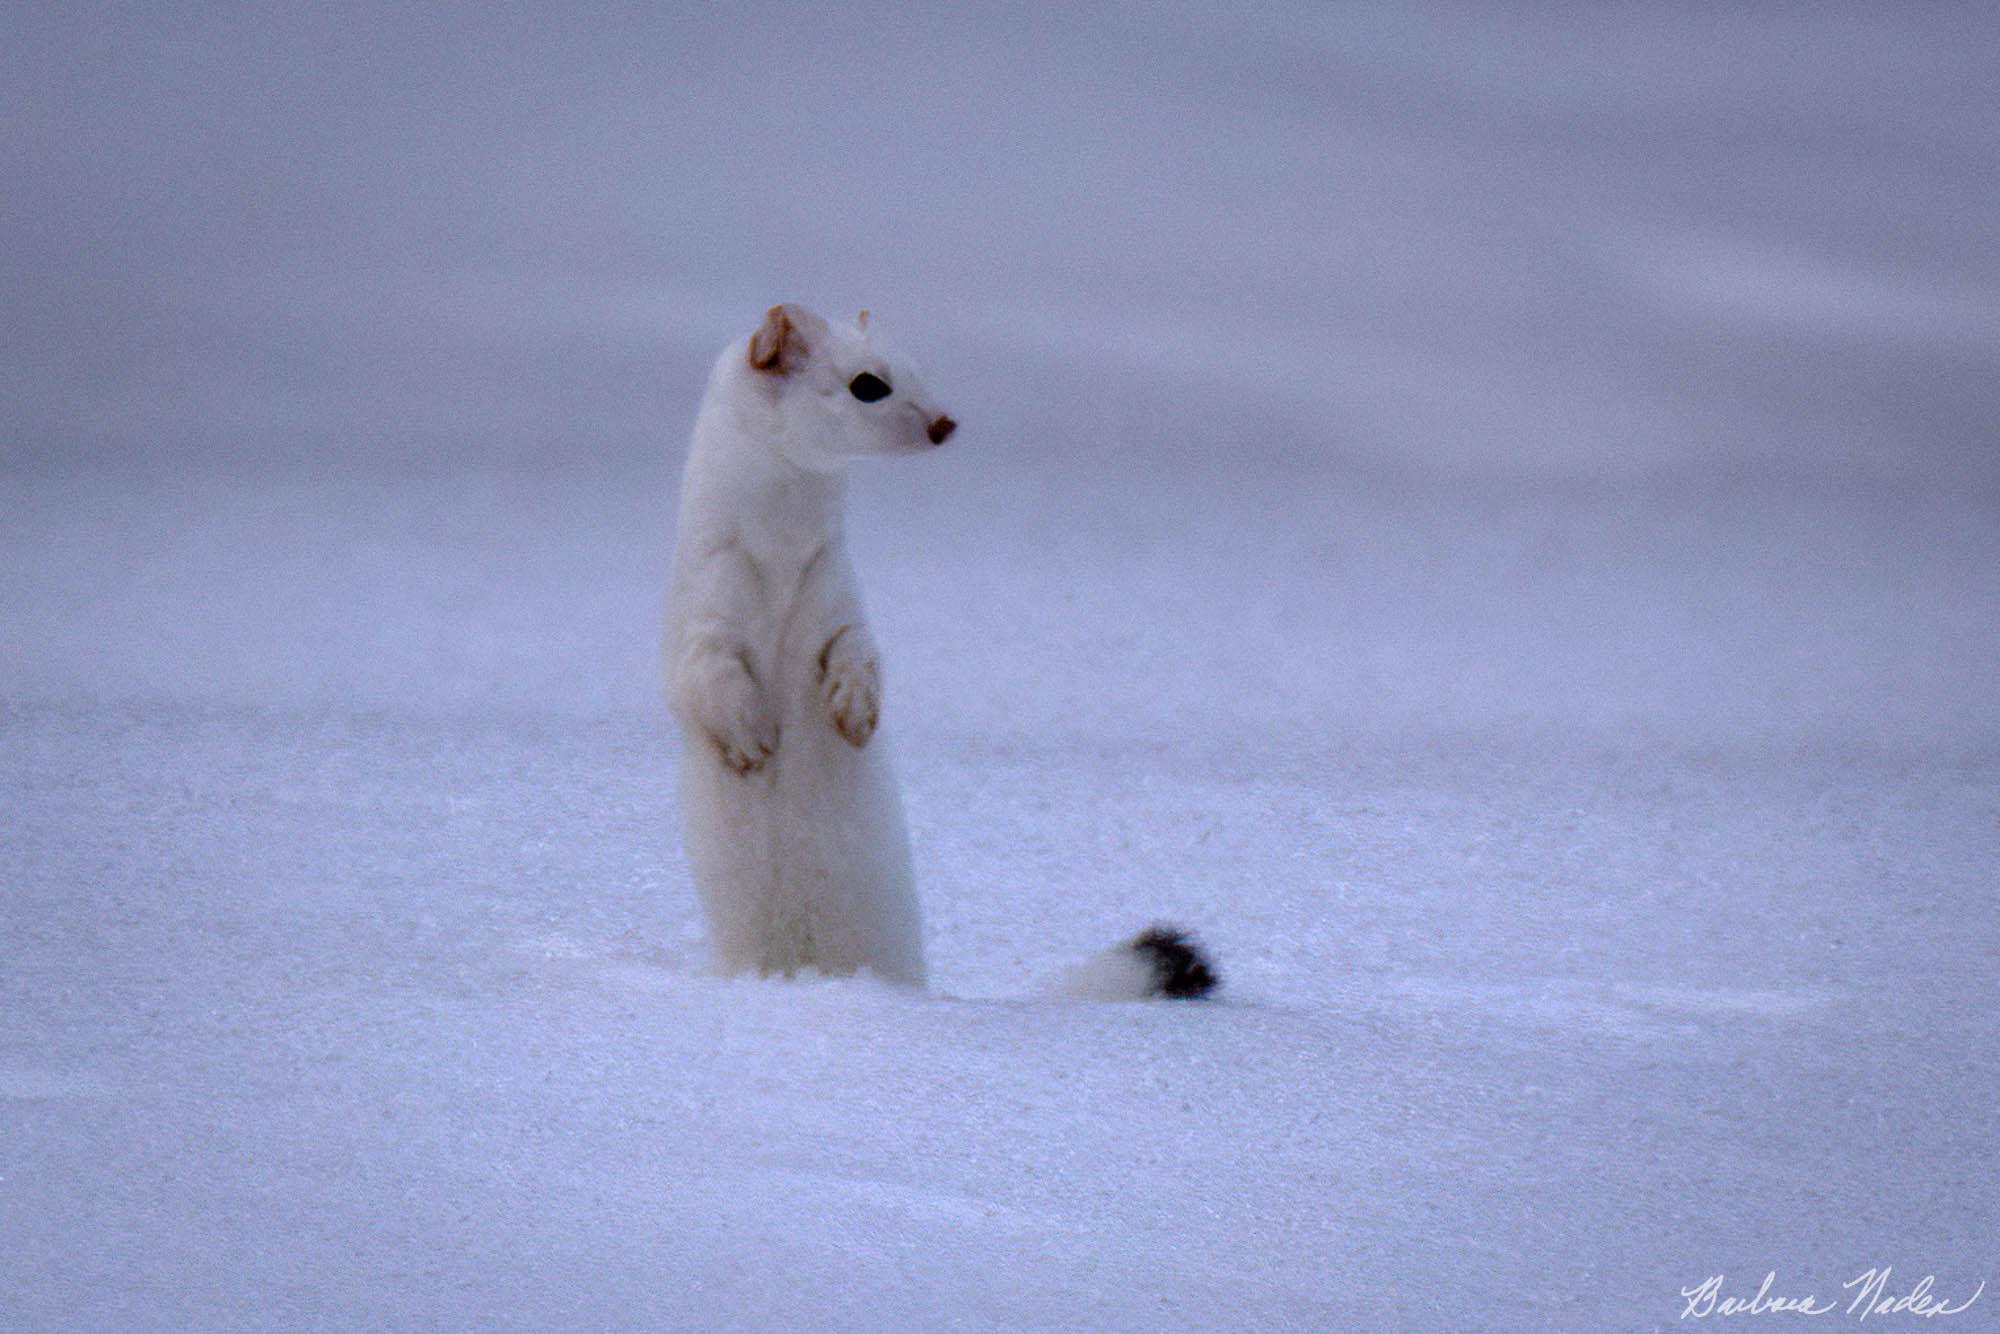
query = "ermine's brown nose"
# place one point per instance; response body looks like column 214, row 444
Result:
column 940, row 430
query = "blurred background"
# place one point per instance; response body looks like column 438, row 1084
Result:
column 1492, row 513
column 1318, row 311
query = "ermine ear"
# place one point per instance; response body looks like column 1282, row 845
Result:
column 783, row 341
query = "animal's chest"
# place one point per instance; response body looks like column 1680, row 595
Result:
column 792, row 595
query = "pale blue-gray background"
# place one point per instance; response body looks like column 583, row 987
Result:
column 1491, row 515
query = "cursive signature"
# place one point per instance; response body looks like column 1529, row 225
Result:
column 1872, row 1297
column 1875, row 1298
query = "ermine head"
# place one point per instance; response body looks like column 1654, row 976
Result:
column 836, row 395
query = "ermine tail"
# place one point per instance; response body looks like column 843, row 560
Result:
column 1160, row 961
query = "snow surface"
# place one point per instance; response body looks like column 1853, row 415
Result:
column 1492, row 517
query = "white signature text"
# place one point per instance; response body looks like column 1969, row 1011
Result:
column 1872, row 1296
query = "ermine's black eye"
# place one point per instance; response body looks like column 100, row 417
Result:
column 869, row 388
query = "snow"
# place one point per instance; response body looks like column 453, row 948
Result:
column 1491, row 518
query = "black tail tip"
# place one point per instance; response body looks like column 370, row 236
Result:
column 1181, row 970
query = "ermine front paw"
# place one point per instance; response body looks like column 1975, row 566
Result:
column 748, row 734
column 850, row 682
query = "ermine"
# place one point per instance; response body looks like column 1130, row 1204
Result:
column 793, row 823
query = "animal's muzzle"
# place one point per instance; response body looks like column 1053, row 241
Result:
column 940, row 430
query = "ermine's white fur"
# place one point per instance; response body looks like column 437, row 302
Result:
column 794, row 826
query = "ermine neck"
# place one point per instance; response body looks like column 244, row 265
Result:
column 774, row 505
column 787, row 506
